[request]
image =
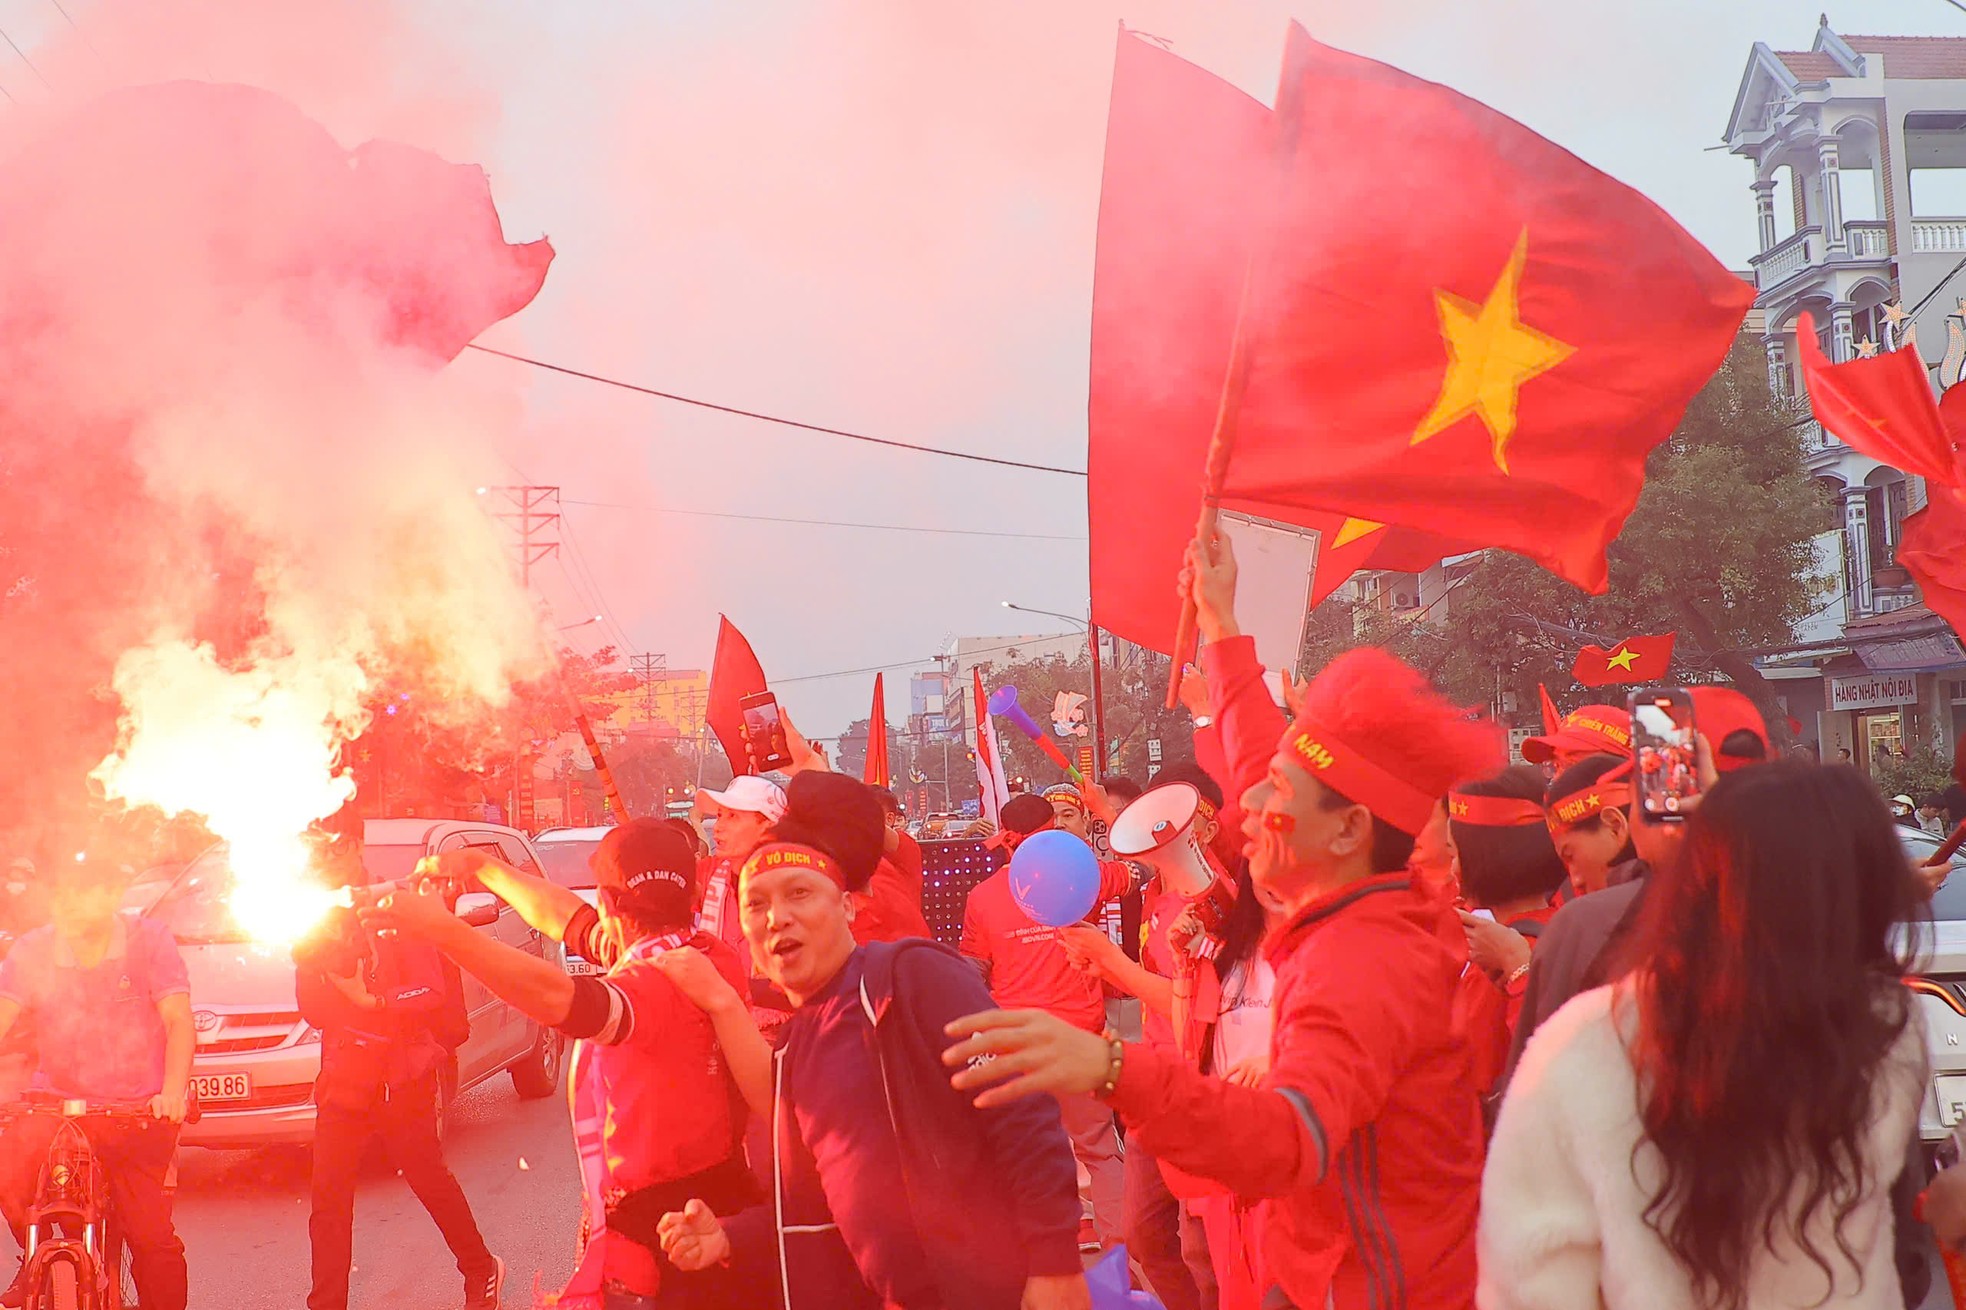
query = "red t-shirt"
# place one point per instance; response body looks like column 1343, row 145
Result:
column 891, row 907
column 1158, row 913
column 670, row 1111
column 1029, row 969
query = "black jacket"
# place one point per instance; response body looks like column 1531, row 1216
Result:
column 422, row 1020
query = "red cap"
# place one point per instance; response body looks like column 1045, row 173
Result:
column 1720, row 712
column 1588, row 730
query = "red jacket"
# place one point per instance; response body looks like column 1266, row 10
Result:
column 1486, row 1011
column 1365, row 1140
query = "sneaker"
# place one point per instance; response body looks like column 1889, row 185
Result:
column 481, row 1293
column 1088, row 1236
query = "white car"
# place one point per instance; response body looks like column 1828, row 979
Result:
column 256, row 1058
column 563, row 855
column 1940, row 987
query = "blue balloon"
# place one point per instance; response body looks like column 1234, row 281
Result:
column 1111, row 1285
column 1054, row 878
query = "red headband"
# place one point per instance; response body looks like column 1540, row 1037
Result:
column 785, row 855
column 1611, row 792
column 1346, row 771
column 1492, row 811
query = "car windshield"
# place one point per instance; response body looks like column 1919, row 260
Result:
column 565, row 862
column 196, row 906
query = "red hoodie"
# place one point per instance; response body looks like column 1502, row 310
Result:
column 1365, row 1139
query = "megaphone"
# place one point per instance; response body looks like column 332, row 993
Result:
column 1160, row 831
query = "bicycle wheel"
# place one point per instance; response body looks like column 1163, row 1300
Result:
column 60, row 1285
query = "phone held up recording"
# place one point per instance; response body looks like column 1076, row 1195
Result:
column 765, row 740
column 1665, row 753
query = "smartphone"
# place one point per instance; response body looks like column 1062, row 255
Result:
column 1665, row 752
column 1483, row 914
column 764, row 733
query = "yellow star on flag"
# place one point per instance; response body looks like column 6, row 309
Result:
column 1491, row 352
column 1624, row 659
column 1354, row 530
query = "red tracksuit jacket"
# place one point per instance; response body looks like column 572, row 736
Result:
column 1365, row 1139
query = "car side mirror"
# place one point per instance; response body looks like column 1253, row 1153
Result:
column 479, row 909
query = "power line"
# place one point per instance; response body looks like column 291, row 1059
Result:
column 824, row 523
column 930, row 659
column 63, row 11
column 25, row 60
column 773, row 418
column 580, row 558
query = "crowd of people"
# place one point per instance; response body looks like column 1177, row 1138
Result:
column 1442, row 1032
column 1466, row 1034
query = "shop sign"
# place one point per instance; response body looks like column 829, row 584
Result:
column 1872, row 691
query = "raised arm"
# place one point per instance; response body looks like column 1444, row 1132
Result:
column 537, row 899
column 538, row 987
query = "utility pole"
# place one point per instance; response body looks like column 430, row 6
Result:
column 534, row 516
column 649, row 668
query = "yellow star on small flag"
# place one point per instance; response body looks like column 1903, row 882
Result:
column 1491, row 352
column 1866, row 349
column 1624, row 659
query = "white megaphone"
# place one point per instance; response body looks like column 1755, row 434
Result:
column 1160, row 831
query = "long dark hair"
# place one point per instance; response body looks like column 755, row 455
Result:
column 1769, row 997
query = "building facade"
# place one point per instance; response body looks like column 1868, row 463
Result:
column 1858, row 146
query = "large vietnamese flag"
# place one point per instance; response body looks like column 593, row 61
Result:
column 1486, row 336
column 1188, row 156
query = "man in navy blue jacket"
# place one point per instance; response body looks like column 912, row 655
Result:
column 940, row 1206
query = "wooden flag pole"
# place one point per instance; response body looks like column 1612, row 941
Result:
column 1215, row 471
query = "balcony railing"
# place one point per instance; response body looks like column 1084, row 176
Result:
column 1868, row 240
column 1786, row 258
column 1938, row 236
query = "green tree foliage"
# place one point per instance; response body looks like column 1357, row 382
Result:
column 1720, row 549
column 1135, row 686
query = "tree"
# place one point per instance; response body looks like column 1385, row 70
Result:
column 1720, row 549
column 1135, row 688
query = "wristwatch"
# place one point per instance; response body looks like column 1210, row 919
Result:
column 1204, row 720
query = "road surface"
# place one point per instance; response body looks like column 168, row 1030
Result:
column 243, row 1215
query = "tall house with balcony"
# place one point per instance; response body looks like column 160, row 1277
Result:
column 1859, row 152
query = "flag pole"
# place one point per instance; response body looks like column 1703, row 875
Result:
column 1215, row 470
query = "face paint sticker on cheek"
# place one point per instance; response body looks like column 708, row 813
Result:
column 1279, row 823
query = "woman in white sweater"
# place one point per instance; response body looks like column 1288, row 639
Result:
column 1721, row 1129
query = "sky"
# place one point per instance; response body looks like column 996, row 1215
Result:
column 869, row 215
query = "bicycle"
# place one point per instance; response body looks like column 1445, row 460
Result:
column 75, row 1258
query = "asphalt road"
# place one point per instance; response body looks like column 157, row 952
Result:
column 243, row 1215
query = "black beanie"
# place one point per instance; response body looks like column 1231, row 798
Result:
column 840, row 816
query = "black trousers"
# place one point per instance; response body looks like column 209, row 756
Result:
column 405, row 1119
column 136, row 1159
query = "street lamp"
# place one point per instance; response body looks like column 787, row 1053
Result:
column 1098, row 687
column 582, row 624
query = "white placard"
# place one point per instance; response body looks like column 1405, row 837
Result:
column 1274, row 567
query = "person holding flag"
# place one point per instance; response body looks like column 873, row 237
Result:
column 1365, row 1137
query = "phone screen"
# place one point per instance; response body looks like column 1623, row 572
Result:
column 764, row 733
column 1665, row 752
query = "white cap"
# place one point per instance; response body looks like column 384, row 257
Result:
column 1905, row 801
column 750, row 793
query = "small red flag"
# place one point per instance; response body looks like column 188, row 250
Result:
column 876, row 774
column 734, row 674
column 1882, row 406
column 1633, row 660
column 1552, row 718
column 1933, row 551
column 1487, row 340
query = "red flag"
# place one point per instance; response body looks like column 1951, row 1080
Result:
column 1882, row 406
column 734, row 674
column 1488, row 339
column 1552, row 719
column 1934, row 553
column 1633, row 660
column 876, row 774
column 1349, row 545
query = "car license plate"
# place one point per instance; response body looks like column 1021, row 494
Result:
column 576, row 965
column 222, row 1086
column 1952, row 1098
